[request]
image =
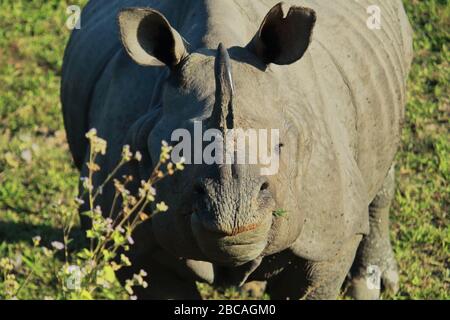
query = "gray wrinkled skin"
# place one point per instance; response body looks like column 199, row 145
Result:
column 312, row 69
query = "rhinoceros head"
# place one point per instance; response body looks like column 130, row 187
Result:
column 227, row 208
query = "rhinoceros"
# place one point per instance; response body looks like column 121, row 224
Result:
column 315, row 70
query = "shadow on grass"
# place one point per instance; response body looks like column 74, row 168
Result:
column 19, row 232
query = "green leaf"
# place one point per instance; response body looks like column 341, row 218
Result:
column 280, row 213
column 85, row 295
column 108, row 274
column 90, row 234
column 85, row 254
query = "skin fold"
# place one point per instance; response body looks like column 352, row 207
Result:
column 335, row 89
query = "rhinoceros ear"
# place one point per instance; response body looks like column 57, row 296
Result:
column 284, row 35
column 149, row 39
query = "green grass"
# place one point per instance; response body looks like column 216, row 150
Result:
column 37, row 179
column 420, row 223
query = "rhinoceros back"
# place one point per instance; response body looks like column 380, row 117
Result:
column 354, row 79
column 89, row 51
column 374, row 64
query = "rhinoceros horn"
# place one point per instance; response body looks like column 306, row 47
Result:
column 222, row 114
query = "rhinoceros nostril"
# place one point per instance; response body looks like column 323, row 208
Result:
column 264, row 186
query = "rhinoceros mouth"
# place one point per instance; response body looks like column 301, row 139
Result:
column 233, row 248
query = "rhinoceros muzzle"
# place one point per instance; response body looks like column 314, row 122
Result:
column 231, row 248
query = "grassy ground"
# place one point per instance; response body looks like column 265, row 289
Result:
column 37, row 179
